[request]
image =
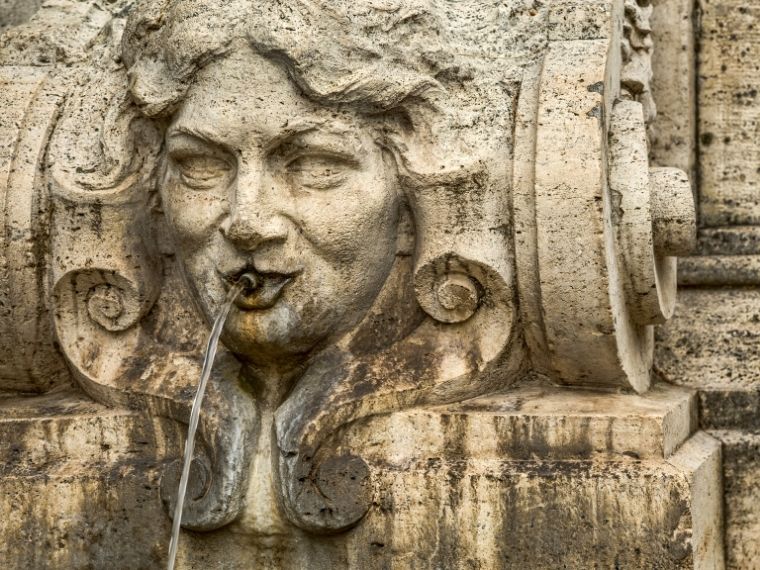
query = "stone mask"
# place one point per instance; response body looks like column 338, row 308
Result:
column 433, row 207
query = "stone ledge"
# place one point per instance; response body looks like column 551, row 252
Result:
column 537, row 422
column 61, row 508
column 509, row 514
column 61, row 432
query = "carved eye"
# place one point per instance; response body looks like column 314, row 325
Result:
column 201, row 171
column 318, row 172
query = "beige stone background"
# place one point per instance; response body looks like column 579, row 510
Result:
column 713, row 342
column 14, row 12
column 707, row 83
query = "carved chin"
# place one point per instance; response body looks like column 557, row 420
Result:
column 276, row 333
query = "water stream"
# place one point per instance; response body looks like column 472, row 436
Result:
column 247, row 281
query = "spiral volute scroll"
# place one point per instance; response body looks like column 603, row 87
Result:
column 598, row 229
column 450, row 289
column 328, row 495
column 219, row 471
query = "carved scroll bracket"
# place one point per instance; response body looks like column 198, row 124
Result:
column 31, row 101
column 597, row 230
column 113, row 294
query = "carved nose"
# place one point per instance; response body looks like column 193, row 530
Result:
column 249, row 231
column 257, row 214
column 242, row 232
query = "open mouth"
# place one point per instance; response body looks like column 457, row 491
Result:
column 261, row 290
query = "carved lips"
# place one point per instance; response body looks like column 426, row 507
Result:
column 266, row 292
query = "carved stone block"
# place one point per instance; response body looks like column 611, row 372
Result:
column 436, row 213
column 622, row 475
column 741, row 481
column 711, row 346
column 728, row 113
column 80, row 484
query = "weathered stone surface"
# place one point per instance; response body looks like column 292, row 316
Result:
column 741, row 481
column 434, row 212
column 449, row 488
column 538, row 422
column 29, row 104
column 674, row 85
column 57, row 32
column 711, row 342
column 728, row 112
column 712, row 345
column 15, row 12
column 79, row 484
column 720, row 271
column 729, row 241
column 510, row 514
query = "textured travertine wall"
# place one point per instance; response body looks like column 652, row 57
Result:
column 729, row 112
column 713, row 343
column 712, row 346
column 15, row 12
column 515, row 239
column 674, row 85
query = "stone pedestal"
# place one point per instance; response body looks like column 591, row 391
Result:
column 541, row 477
column 80, row 485
column 546, row 477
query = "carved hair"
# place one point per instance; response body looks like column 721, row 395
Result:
column 380, row 58
column 333, row 53
column 165, row 45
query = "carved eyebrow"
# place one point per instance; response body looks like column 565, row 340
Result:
column 200, row 134
column 289, row 132
column 339, row 132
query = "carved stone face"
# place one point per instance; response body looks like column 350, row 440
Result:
column 261, row 179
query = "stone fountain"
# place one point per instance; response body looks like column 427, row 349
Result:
column 464, row 219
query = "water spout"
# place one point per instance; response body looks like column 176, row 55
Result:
column 247, row 281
